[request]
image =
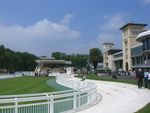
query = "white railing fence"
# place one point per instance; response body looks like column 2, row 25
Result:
column 81, row 86
column 71, row 100
column 16, row 74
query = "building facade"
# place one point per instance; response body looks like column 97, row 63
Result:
column 50, row 65
column 129, row 34
column 106, row 48
column 135, row 49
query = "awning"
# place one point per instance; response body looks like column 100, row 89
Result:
column 47, row 61
column 141, row 66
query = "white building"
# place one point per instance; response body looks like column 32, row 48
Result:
column 135, row 52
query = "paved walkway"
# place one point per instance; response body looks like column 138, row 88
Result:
column 119, row 98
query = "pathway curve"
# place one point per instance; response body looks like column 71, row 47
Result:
column 119, row 98
column 55, row 85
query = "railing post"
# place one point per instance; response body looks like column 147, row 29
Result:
column 51, row 104
column 48, row 104
column 88, row 97
column 74, row 100
column 16, row 105
column 78, row 98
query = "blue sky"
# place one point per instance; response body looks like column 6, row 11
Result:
column 71, row 26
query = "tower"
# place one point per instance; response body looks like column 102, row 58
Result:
column 129, row 33
column 106, row 47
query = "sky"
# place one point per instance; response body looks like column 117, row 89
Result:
column 70, row 26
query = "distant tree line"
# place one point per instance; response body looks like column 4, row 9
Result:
column 24, row 61
column 16, row 61
column 78, row 60
column 81, row 60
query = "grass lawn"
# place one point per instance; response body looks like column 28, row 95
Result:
column 146, row 109
column 24, row 85
column 123, row 79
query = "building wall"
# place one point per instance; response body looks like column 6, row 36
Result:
column 118, row 61
column 111, row 64
column 129, row 34
column 106, row 48
column 105, row 59
column 127, row 60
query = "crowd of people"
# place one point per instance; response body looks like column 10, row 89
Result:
column 143, row 75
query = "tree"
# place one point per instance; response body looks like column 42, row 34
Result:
column 78, row 60
column 59, row 55
column 95, row 56
column 16, row 61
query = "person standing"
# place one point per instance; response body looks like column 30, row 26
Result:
column 149, row 79
column 145, row 78
column 139, row 77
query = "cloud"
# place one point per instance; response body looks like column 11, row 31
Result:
column 83, row 48
column 67, row 19
column 146, row 1
column 112, row 23
column 109, row 31
column 41, row 29
column 37, row 35
column 104, row 37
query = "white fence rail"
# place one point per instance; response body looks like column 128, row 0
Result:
column 9, row 76
column 16, row 74
column 56, row 102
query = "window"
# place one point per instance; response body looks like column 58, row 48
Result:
column 146, row 44
column 133, row 61
column 136, row 31
column 125, row 33
column 148, row 56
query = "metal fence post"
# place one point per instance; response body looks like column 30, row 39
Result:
column 16, row 105
column 74, row 100
column 48, row 104
column 78, row 98
column 51, row 104
column 88, row 97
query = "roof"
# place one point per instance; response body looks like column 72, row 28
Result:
column 132, row 24
column 108, row 43
column 118, row 56
column 142, row 36
column 45, row 57
column 121, row 52
column 113, row 51
column 141, row 66
column 50, row 61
